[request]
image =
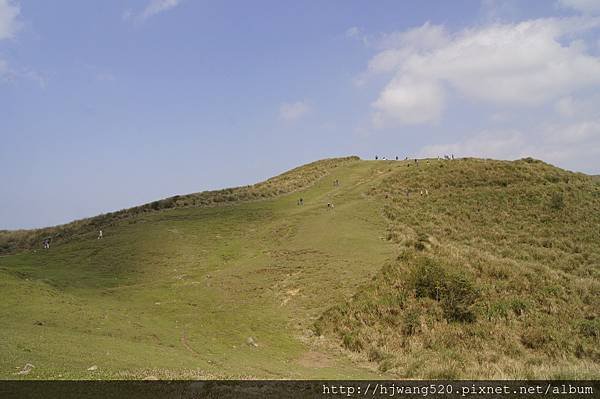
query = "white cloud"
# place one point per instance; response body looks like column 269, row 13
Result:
column 425, row 37
column 579, row 108
column 573, row 145
column 496, row 10
column 580, row 132
column 353, row 32
column 9, row 12
column 9, row 24
column 514, row 65
column 398, row 46
column 357, row 33
column 565, row 106
column 409, row 100
column 488, row 144
column 152, row 8
column 294, row 111
column 585, row 6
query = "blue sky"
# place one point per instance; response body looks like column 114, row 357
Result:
column 106, row 105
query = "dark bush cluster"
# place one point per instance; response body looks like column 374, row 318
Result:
column 557, row 201
column 456, row 292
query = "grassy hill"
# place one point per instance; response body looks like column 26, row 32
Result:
column 497, row 274
column 301, row 177
column 494, row 273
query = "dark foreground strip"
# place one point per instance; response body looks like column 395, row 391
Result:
column 299, row 389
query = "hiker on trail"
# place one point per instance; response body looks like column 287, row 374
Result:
column 453, row 157
column 396, row 157
column 376, row 157
column 301, row 201
column 100, row 235
column 416, row 162
column 46, row 243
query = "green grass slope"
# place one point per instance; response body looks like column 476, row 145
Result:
column 178, row 293
column 293, row 180
column 495, row 273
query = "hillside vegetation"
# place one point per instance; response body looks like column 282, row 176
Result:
column 301, row 177
column 494, row 272
column 497, row 274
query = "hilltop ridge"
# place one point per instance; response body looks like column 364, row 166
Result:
column 285, row 183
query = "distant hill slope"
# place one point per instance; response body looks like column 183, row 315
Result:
column 498, row 274
column 492, row 272
column 297, row 178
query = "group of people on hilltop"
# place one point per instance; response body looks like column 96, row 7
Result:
column 447, row 157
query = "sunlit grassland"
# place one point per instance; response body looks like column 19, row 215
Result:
column 494, row 274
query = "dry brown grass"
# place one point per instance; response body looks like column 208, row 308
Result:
column 498, row 275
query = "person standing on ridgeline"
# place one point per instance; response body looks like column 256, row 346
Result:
column 376, row 157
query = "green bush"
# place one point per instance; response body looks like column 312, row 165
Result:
column 456, row 292
column 428, row 280
column 458, row 298
column 557, row 201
